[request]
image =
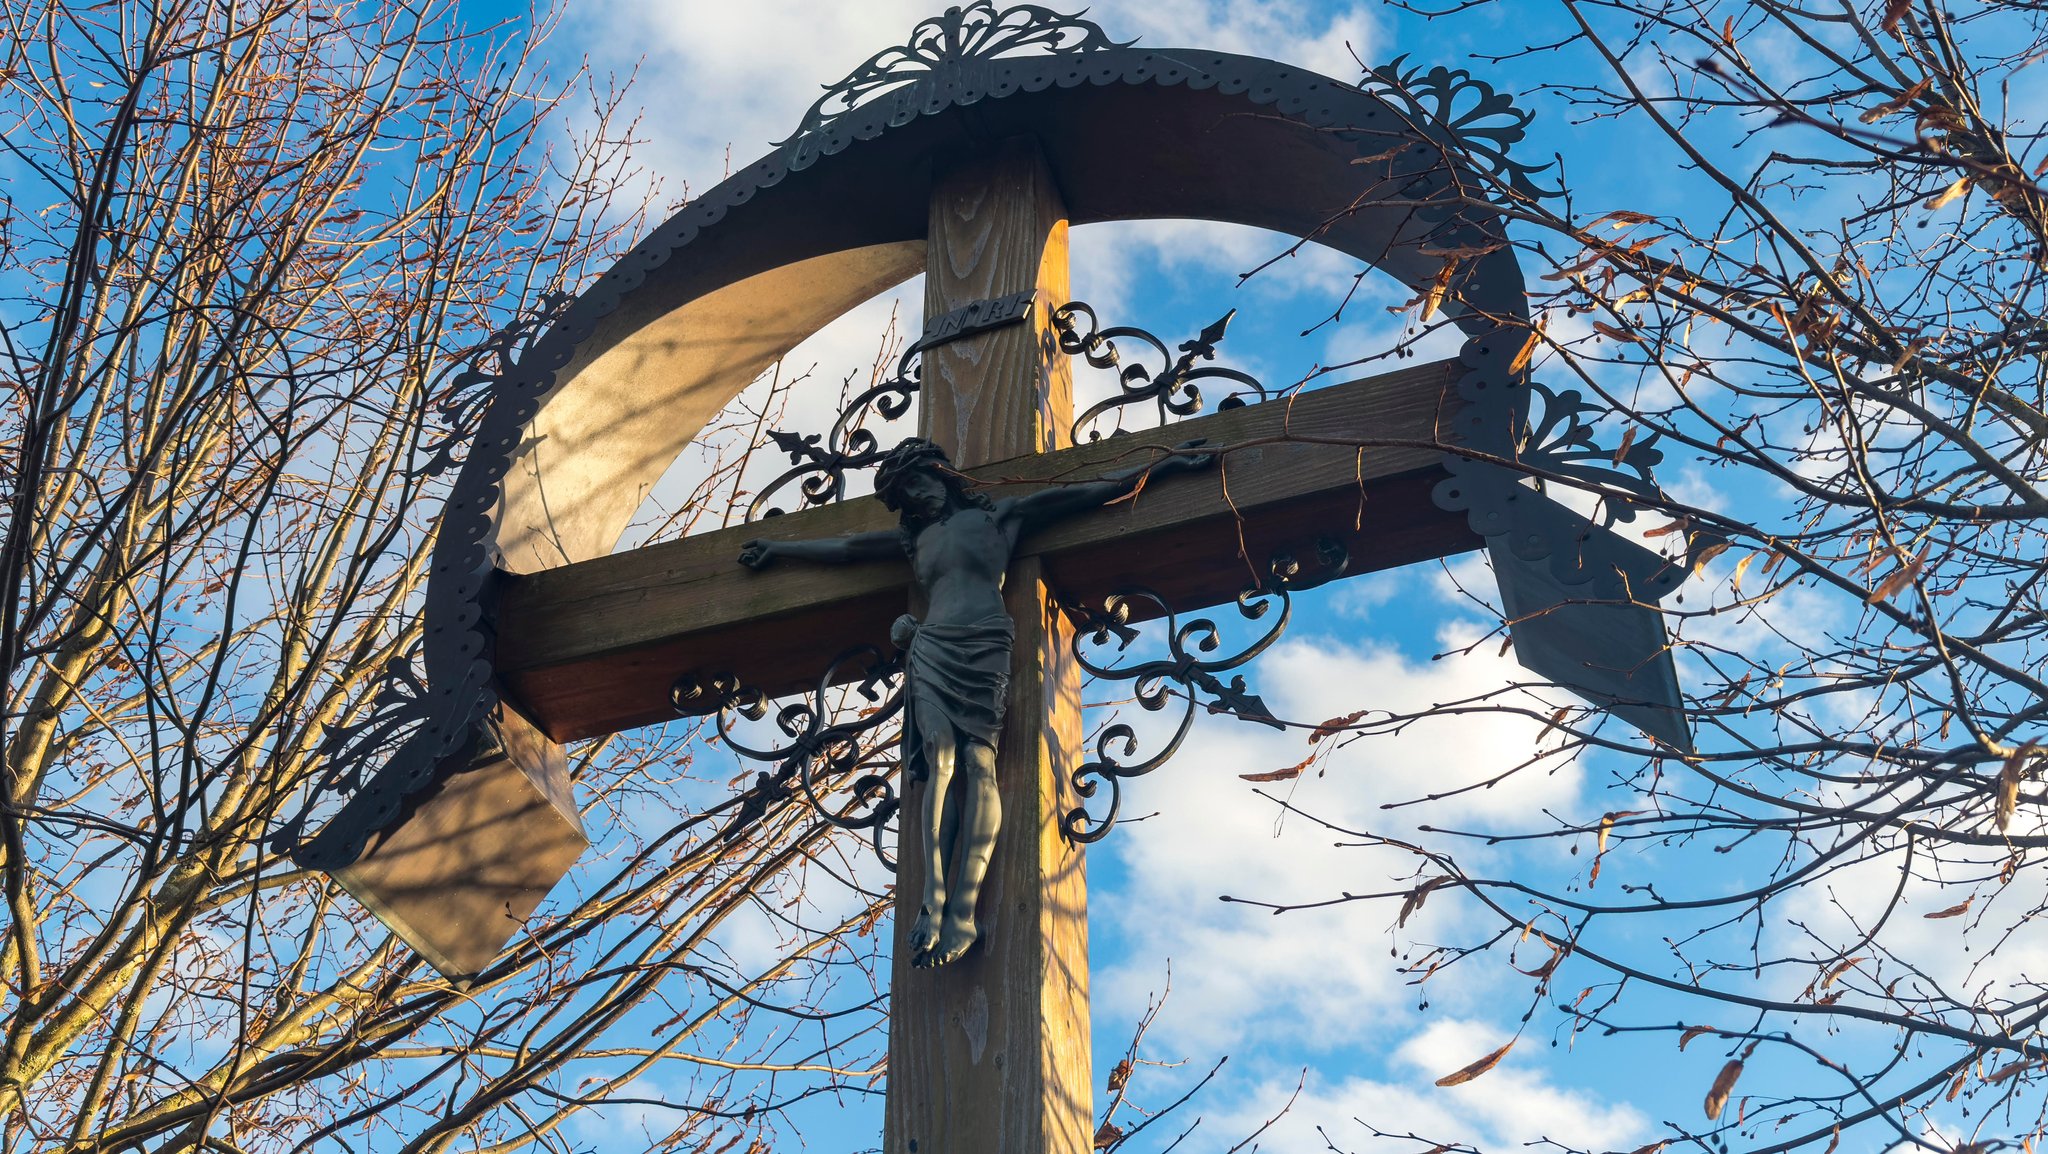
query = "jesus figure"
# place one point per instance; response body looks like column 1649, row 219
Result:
column 958, row 658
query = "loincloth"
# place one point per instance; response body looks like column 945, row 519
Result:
column 958, row 683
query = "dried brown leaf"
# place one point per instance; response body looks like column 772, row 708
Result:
column 1623, row 217
column 1334, row 726
column 1952, row 911
column 1120, row 1076
column 1528, row 349
column 1108, row 1136
column 1387, row 154
column 1607, row 821
column 1415, row 898
column 1894, row 11
column 1707, row 553
column 1459, row 252
column 1692, row 1032
column 1557, row 956
column 1439, row 285
column 2007, row 1071
column 1949, row 194
column 1472, row 1071
column 1607, row 330
column 1896, row 103
column 2009, row 776
column 1288, row 773
column 1840, row 968
column 868, row 923
column 1735, row 579
column 1724, row 1083
column 1907, row 352
column 1734, row 691
column 1628, row 440
column 1899, row 580
column 1571, row 270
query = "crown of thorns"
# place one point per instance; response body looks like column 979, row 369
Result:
column 907, row 459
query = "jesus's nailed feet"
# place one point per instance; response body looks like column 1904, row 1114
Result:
column 953, row 938
column 924, row 938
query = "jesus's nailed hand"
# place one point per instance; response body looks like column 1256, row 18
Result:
column 757, row 554
column 1189, row 460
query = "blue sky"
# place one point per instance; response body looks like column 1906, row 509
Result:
column 1314, row 992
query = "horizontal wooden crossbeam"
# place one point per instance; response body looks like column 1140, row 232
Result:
column 593, row 648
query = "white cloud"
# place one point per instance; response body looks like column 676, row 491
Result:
column 1517, row 1103
column 1972, row 956
column 1117, row 262
column 715, row 74
column 1358, row 597
column 1316, row 976
column 1290, row 30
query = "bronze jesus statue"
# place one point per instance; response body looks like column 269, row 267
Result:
column 957, row 664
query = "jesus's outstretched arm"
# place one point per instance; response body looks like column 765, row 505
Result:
column 879, row 545
column 1048, row 505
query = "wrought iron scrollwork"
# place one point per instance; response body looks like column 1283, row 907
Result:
column 1172, row 388
column 819, row 465
column 821, row 755
column 1187, row 664
column 1466, row 117
column 943, row 43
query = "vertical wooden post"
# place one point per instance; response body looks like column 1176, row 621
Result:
column 990, row 1055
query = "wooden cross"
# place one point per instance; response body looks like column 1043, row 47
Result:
column 991, row 1053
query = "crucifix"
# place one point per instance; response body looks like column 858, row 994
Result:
column 957, row 657
column 954, row 157
column 991, row 1052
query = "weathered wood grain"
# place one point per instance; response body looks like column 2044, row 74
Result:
column 997, row 395
column 991, row 1052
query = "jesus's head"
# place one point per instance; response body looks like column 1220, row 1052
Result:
column 918, row 481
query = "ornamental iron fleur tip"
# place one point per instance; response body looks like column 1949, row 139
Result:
column 943, row 44
column 1173, row 388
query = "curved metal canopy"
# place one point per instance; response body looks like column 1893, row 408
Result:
column 734, row 281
